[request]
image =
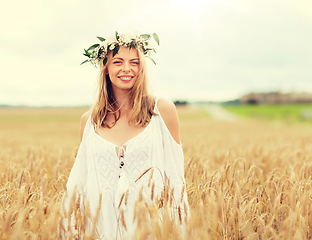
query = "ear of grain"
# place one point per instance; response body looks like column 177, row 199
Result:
column 244, row 180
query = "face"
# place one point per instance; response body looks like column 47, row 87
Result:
column 123, row 68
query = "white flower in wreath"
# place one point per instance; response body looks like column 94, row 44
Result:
column 111, row 47
column 94, row 62
column 140, row 39
column 105, row 45
column 149, row 53
column 96, row 50
column 110, row 40
column 126, row 38
column 150, row 43
column 103, row 52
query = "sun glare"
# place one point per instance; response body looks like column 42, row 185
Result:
column 194, row 8
column 189, row 8
column 192, row 5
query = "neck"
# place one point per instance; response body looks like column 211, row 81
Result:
column 123, row 100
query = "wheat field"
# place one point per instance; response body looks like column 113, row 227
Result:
column 244, row 179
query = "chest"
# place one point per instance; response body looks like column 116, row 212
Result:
column 136, row 152
column 120, row 133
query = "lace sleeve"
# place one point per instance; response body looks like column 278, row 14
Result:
column 174, row 166
column 76, row 186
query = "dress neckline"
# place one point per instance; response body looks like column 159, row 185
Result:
column 131, row 139
column 128, row 141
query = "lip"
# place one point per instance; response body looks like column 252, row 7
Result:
column 125, row 78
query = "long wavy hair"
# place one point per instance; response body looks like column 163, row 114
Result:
column 141, row 102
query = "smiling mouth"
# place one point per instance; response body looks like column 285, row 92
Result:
column 125, row 78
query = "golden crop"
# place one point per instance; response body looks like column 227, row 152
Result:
column 245, row 179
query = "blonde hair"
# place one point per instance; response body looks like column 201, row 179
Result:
column 142, row 103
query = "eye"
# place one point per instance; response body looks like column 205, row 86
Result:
column 135, row 63
column 117, row 62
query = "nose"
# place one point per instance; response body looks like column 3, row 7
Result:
column 126, row 67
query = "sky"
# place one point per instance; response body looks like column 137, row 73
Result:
column 210, row 50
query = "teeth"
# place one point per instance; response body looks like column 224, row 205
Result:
column 126, row 78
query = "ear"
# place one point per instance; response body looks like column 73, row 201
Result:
column 106, row 71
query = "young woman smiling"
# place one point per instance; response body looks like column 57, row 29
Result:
column 128, row 140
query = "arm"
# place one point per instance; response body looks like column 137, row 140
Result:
column 173, row 153
column 169, row 114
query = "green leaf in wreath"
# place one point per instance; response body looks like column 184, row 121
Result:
column 101, row 39
column 86, row 53
column 100, row 52
column 93, row 46
column 108, row 47
column 145, row 50
column 85, row 61
column 151, row 59
column 155, row 36
column 145, row 36
column 115, row 51
column 117, row 37
column 104, row 61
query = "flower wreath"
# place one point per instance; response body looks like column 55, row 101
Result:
column 98, row 52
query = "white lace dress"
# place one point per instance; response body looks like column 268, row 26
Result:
column 97, row 171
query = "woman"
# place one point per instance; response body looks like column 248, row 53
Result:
column 129, row 139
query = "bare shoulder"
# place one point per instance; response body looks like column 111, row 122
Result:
column 83, row 122
column 166, row 108
column 169, row 114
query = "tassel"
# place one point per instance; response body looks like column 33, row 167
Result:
column 123, row 186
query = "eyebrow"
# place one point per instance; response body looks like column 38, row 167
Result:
column 123, row 59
